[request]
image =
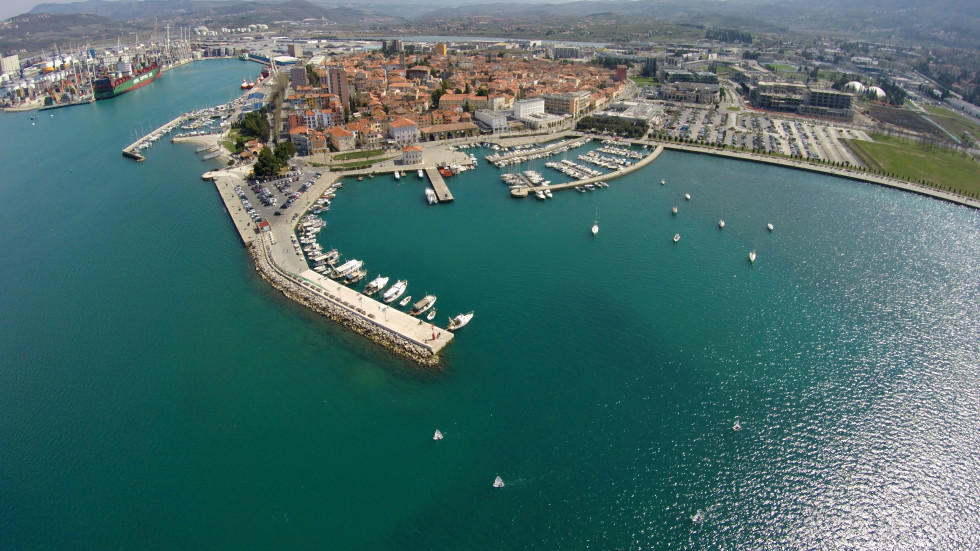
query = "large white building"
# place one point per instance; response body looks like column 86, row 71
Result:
column 10, row 64
column 496, row 120
column 526, row 107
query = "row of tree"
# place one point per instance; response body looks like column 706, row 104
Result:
column 620, row 127
column 270, row 163
column 728, row 35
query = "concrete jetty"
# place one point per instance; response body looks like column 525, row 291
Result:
column 439, row 185
column 133, row 150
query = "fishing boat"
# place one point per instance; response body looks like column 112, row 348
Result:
column 376, row 285
column 769, row 227
column 595, row 225
column 396, row 290
column 405, row 300
column 437, row 435
column 677, row 237
column 355, row 276
column 346, row 268
column 432, row 315
column 752, row 257
column 459, row 321
column 498, row 482
column 421, row 306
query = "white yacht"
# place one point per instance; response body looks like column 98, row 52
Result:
column 437, row 435
column 595, row 225
column 396, row 290
column 376, row 285
column 421, row 174
column 539, row 194
column 677, row 237
column 459, row 321
column 752, row 257
column 397, row 176
column 430, row 196
column 405, row 300
column 498, row 482
column 547, row 193
column 769, row 227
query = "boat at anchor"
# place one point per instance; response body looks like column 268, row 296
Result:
column 459, row 321
column 396, row 290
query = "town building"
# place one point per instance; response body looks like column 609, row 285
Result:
column 412, row 155
column 403, row 131
column 570, row 103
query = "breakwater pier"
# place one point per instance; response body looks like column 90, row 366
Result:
column 276, row 261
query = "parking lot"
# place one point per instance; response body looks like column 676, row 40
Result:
column 265, row 199
column 817, row 140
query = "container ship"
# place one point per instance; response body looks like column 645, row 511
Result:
column 126, row 79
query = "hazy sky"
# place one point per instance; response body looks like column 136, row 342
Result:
column 10, row 8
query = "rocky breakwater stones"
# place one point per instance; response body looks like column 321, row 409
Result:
column 335, row 310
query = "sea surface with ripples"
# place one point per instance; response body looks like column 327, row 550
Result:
column 156, row 393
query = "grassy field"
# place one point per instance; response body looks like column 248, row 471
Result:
column 954, row 122
column 936, row 167
column 358, row 155
column 351, row 166
column 229, row 141
column 644, row 81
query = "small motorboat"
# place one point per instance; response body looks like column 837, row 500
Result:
column 687, row 196
column 721, row 223
column 752, row 257
column 662, row 182
column 431, row 315
column 405, row 301
column 769, row 227
column 677, row 237
column 498, row 482
column 437, row 435
column 737, row 426
column 673, row 209
column 698, row 517
column 595, row 225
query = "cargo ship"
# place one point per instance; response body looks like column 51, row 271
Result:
column 109, row 87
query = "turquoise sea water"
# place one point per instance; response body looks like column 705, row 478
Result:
column 155, row 393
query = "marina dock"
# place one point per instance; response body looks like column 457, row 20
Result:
column 133, row 150
column 523, row 192
column 439, row 185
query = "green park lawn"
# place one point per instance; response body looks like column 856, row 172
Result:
column 937, row 167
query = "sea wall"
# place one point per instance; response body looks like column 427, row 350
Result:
column 338, row 313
